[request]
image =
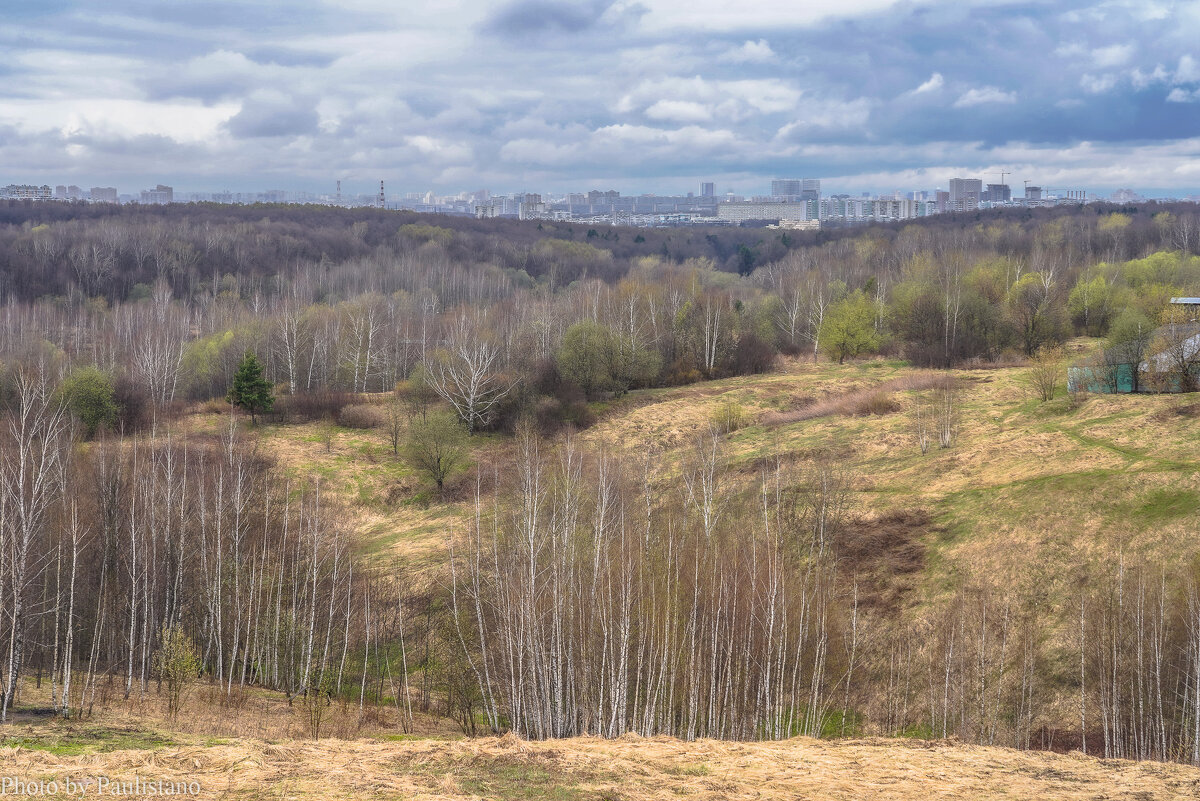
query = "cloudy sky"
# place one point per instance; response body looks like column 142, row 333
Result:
column 636, row 95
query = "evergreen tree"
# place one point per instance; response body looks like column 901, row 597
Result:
column 250, row 390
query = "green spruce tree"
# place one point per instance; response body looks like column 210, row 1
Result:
column 250, row 390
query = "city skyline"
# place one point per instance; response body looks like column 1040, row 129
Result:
column 545, row 95
column 368, row 191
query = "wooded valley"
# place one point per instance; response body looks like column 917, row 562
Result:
column 154, row 535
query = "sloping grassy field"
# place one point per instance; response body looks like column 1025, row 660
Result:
column 1026, row 488
column 1027, row 491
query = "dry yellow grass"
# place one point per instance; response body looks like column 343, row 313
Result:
column 630, row 768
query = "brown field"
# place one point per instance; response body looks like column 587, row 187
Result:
column 629, row 768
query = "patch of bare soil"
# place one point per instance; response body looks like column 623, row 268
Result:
column 886, row 554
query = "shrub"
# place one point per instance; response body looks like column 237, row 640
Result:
column 177, row 663
column 679, row 373
column 586, row 357
column 214, row 406
column 360, row 415
column 753, row 356
column 729, row 417
column 308, row 406
column 875, row 403
column 90, row 396
column 436, row 446
column 133, row 404
column 848, row 330
column 1046, row 371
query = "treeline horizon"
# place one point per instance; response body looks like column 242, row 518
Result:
column 541, row 317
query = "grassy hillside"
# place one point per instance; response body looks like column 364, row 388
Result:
column 1027, row 493
column 1027, row 488
column 1024, row 483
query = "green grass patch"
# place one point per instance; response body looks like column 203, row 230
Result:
column 71, row 741
column 1162, row 505
column 522, row 781
column 699, row 769
column 515, row 778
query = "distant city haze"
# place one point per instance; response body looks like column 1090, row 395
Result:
column 555, row 97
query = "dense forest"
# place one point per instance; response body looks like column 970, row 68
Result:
column 166, row 300
column 596, row 592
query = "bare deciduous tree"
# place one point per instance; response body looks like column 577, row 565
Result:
column 465, row 371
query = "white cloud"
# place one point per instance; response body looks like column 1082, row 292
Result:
column 826, row 115
column 1188, row 70
column 751, row 52
column 935, row 82
column 1096, row 84
column 722, row 15
column 627, row 145
column 1143, row 79
column 769, row 96
column 438, row 149
column 1112, row 56
column 983, row 95
column 425, row 92
column 1070, row 50
column 679, row 111
column 695, row 99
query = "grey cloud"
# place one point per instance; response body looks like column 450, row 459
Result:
column 525, row 18
column 289, row 56
column 561, row 91
column 259, row 119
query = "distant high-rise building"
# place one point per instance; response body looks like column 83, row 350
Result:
column 786, row 187
column 27, row 192
column 997, row 193
column 796, row 188
column 771, row 210
column 965, row 193
column 60, row 192
column 1033, row 193
column 104, row 194
column 708, row 189
column 158, row 196
column 531, row 207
